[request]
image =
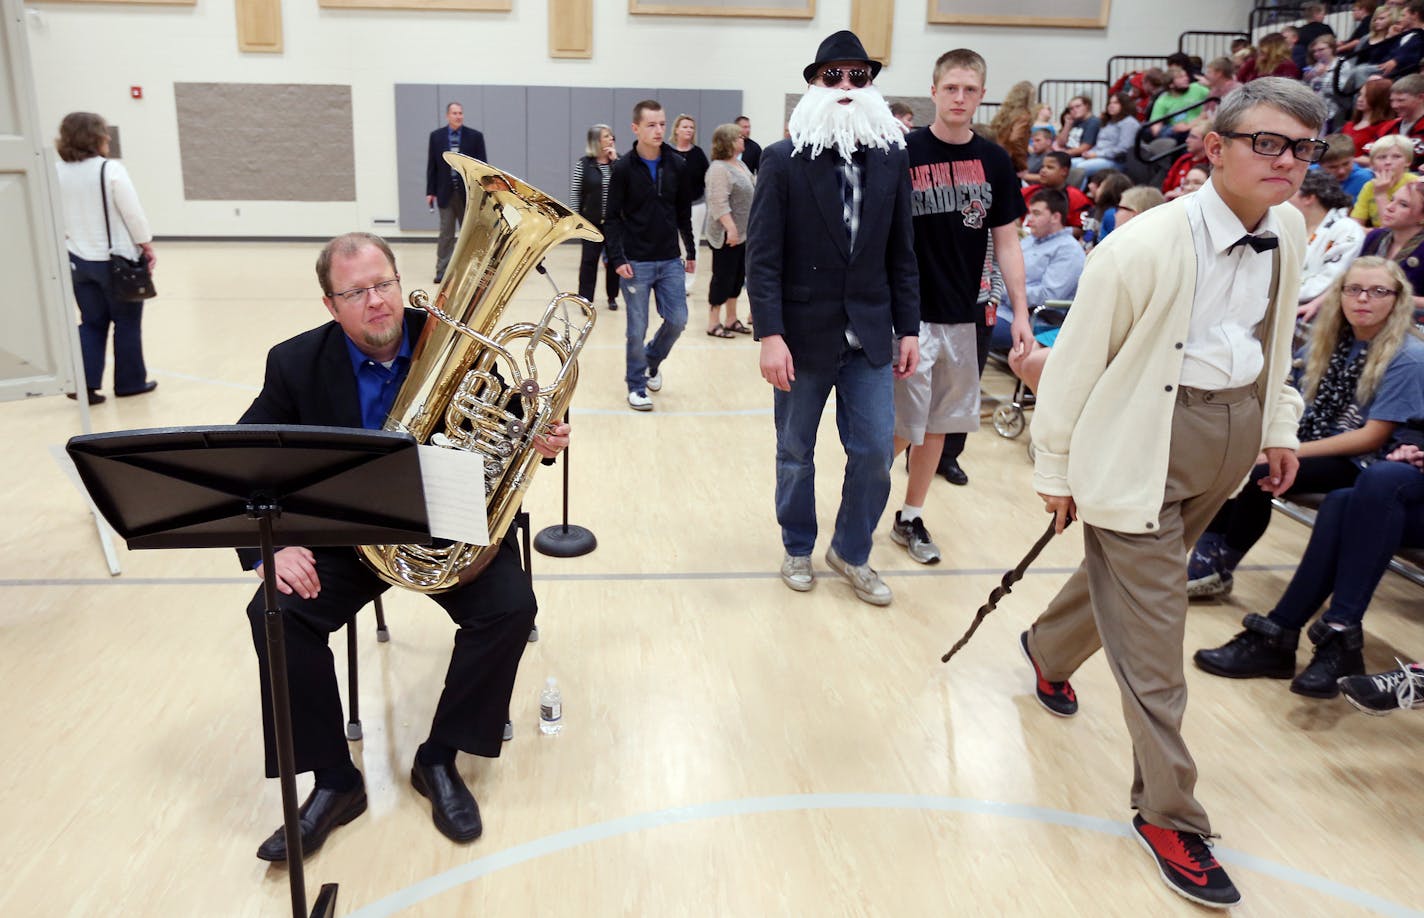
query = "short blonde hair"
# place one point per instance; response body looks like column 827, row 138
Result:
column 961, row 58
column 1393, row 142
column 679, row 120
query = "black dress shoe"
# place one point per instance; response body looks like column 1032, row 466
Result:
column 146, row 387
column 453, row 807
column 952, row 473
column 1264, row 649
column 94, row 397
column 323, row 811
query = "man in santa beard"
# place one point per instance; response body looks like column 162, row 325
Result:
column 834, row 292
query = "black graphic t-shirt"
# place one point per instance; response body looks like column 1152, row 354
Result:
column 958, row 193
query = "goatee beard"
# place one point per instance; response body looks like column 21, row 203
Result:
column 820, row 122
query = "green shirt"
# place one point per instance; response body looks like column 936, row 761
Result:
column 1167, row 103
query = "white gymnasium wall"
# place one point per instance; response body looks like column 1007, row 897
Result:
column 87, row 55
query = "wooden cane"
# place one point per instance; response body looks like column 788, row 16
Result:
column 1005, row 587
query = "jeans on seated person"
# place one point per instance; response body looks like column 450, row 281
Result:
column 663, row 279
column 865, row 417
column 1356, row 532
column 1091, row 167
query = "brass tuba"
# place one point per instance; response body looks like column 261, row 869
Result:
column 467, row 375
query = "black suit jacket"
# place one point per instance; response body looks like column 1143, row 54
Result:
column 440, row 180
column 804, row 282
column 309, row 381
column 751, row 155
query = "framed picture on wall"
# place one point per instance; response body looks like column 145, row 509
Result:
column 1071, row 14
column 765, row 9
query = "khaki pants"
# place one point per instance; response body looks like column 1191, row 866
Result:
column 1130, row 598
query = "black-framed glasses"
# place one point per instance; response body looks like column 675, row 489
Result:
column 831, row 77
column 358, row 294
column 1269, row 143
column 1380, row 292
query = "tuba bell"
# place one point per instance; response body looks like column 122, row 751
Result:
column 479, row 387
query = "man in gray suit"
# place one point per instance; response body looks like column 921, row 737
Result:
column 834, row 290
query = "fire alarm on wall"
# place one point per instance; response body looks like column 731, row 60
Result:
column 136, row 92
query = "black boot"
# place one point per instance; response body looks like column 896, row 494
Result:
column 1263, row 649
column 1337, row 654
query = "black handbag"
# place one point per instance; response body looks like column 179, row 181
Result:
column 129, row 279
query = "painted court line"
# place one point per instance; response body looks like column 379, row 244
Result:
column 562, row 841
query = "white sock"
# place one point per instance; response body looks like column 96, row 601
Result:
column 908, row 513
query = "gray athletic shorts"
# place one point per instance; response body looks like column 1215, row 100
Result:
column 942, row 396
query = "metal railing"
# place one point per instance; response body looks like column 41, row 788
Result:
column 1208, row 45
column 1056, row 93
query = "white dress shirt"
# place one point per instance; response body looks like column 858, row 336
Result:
column 1233, row 292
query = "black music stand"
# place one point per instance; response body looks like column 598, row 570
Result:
column 267, row 486
column 565, row 540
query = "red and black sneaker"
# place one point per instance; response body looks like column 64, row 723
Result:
column 1184, row 859
column 1057, row 697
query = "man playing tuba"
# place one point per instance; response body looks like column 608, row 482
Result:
column 346, row 374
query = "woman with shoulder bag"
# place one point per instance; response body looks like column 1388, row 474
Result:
column 588, row 193
column 103, row 218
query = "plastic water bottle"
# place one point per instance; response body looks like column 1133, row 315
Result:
column 551, row 708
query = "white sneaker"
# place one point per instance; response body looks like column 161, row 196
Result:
column 639, row 401
column 796, row 573
column 655, row 381
column 862, row 577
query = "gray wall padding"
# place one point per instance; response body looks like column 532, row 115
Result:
column 534, row 132
column 265, row 142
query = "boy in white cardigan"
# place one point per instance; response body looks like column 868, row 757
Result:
column 1166, row 382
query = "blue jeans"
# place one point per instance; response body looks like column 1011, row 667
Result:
column 1092, row 167
column 98, row 309
column 1355, row 533
column 865, row 417
column 665, row 279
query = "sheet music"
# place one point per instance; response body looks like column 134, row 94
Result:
column 455, row 494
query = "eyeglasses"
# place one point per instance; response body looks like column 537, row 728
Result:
column 1268, row 143
column 831, row 77
column 1353, row 291
column 358, row 294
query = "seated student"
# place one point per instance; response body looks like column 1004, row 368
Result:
column 1400, row 237
column 1389, row 160
column 1309, row 33
column 1369, row 117
column 1115, row 138
column 1195, row 178
column 1406, row 101
column 1407, row 48
column 1340, row 163
column 1105, row 191
column 1039, row 143
column 1334, row 240
column 1029, row 366
column 1178, row 100
column 1360, row 11
column 1053, row 259
column 1356, row 532
column 1080, row 128
column 1363, row 376
column 1321, row 72
column 1195, row 156
column 1272, row 58
column 1053, row 175
column 1371, row 52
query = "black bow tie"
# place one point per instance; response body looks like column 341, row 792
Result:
column 1257, row 243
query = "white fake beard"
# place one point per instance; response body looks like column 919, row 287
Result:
column 821, row 122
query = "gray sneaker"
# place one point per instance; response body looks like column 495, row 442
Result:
column 796, row 573
column 863, row 579
column 655, row 380
column 639, row 401
column 915, row 538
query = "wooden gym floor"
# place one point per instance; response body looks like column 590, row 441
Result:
column 731, row 748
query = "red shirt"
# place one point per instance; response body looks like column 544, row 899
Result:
column 1416, row 134
column 1367, row 135
column 1077, row 202
column 1179, row 171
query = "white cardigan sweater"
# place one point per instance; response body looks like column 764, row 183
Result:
column 1103, row 422
column 84, row 210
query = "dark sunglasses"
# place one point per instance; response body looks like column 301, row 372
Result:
column 831, row 76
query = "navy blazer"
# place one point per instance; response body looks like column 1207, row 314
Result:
column 309, row 381
column 440, row 179
column 803, row 281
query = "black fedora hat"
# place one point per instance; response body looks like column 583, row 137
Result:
column 842, row 46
